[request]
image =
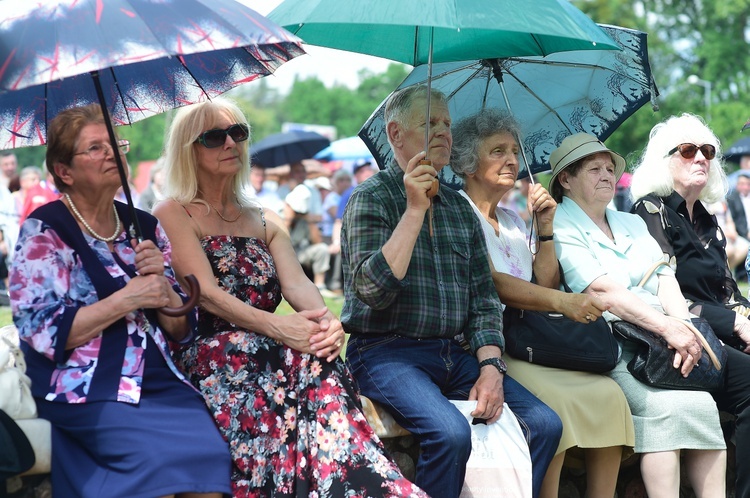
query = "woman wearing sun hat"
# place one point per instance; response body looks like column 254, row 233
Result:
column 606, row 253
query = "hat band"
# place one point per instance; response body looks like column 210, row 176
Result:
column 579, row 146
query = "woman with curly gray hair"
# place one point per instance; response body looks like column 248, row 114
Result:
column 680, row 172
column 485, row 155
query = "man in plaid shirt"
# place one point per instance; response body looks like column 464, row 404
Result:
column 411, row 286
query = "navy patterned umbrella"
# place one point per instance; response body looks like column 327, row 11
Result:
column 136, row 58
column 287, row 148
column 551, row 97
column 150, row 56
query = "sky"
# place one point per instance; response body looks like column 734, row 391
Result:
column 328, row 65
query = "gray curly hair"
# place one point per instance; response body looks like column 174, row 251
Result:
column 469, row 133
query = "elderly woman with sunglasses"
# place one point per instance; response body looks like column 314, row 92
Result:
column 680, row 171
column 279, row 392
column 87, row 301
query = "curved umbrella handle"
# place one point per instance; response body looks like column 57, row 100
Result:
column 194, row 292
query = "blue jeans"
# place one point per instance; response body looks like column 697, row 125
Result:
column 414, row 379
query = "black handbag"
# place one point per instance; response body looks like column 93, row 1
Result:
column 553, row 340
column 652, row 363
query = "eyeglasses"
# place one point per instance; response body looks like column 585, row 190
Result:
column 688, row 151
column 216, row 138
column 97, row 152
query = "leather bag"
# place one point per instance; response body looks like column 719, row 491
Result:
column 652, row 363
column 553, row 340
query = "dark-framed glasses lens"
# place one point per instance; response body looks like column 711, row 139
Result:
column 238, row 132
column 217, row 137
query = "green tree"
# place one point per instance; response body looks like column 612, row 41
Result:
column 310, row 101
column 685, row 37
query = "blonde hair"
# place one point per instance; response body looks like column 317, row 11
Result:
column 654, row 174
column 181, row 159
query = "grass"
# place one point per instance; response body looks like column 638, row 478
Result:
column 334, row 305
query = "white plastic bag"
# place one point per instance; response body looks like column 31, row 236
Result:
column 15, row 385
column 499, row 464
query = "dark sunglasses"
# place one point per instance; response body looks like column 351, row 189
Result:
column 688, row 151
column 217, row 137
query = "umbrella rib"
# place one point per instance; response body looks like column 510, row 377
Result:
column 465, row 82
column 537, row 97
column 182, row 62
column 119, row 94
column 581, row 65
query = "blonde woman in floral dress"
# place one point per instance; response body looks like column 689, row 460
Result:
column 275, row 384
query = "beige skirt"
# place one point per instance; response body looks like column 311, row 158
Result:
column 592, row 407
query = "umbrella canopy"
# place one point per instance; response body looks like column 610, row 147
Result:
column 151, row 56
column 287, row 148
column 345, row 149
column 738, row 149
column 553, row 96
column 401, row 30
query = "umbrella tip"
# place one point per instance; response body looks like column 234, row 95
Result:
column 747, row 125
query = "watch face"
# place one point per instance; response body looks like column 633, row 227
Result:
column 505, row 366
column 495, row 362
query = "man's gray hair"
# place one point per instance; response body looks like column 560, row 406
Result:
column 469, row 133
column 399, row 104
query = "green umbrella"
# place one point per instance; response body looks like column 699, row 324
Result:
column 422, row 31
column 400, row 30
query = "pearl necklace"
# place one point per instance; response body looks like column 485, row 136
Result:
column 88, row 227
column 222, row 217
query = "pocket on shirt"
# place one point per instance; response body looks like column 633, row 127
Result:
column 461, row 269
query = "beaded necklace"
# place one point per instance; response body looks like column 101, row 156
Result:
column 88, row 227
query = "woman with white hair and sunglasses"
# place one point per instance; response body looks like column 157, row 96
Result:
column 680, row 172
column 275, row 384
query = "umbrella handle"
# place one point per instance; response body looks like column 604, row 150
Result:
column 433, row 190
column 193, row 295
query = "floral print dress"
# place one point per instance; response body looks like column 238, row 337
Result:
column 293, row 422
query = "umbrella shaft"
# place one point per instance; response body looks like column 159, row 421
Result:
column 429, row 100
column 118, row 156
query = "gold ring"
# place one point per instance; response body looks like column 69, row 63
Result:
column 338, row 344
column 588, row 317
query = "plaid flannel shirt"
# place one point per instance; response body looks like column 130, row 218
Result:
column 447, row 289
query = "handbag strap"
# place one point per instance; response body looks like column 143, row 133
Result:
column 698, row 334
column 651, row 271
column 704, row 342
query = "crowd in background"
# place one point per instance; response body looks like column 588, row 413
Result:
column 319, row 204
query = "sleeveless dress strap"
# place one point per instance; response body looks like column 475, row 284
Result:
column 263, row 219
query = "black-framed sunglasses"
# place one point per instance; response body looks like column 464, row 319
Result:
column 216, row 138
column 688, row 151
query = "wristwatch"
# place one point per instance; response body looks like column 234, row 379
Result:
column 495, row 362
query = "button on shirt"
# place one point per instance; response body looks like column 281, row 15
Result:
column 447, row 289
